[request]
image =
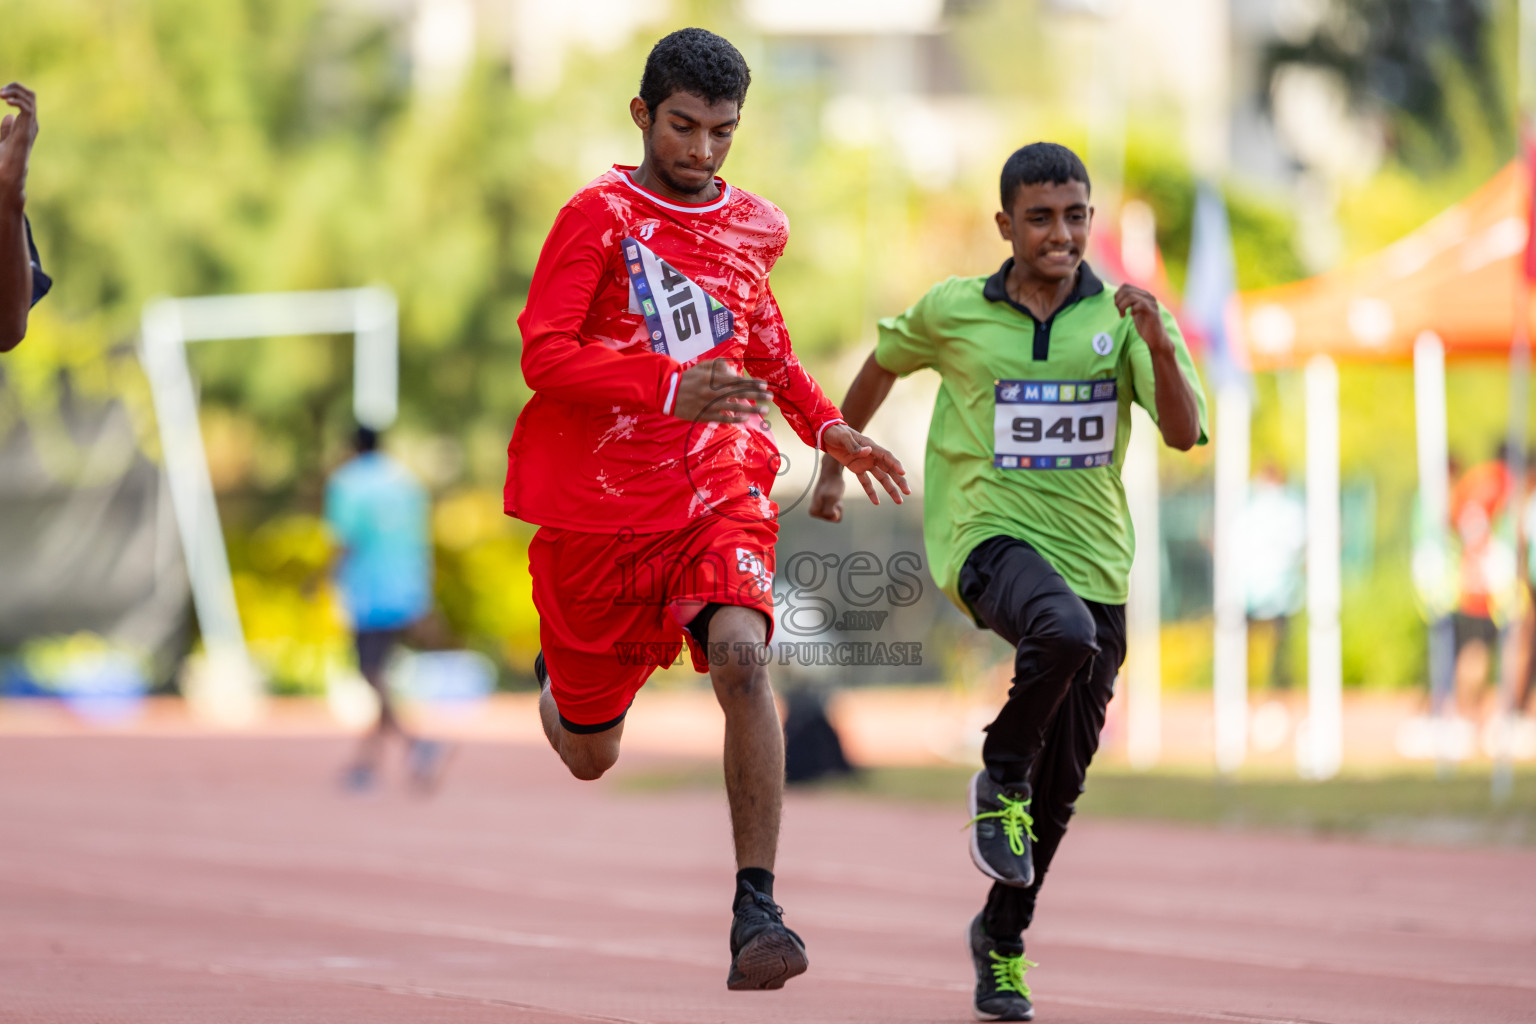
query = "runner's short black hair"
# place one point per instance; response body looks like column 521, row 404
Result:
column 694, row 61
column 366, row 439
column 1041, row 163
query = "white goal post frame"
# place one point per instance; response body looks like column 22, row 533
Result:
column 370, row 315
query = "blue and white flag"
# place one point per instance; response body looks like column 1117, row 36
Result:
column 1211, row 287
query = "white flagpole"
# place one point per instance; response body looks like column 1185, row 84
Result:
column 1429, row 410
column 1320, row 745
column 1143, row 612
column 1234, row 416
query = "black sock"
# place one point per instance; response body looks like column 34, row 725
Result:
column 760, row 879
column 1010, row 776
column 1008, row 945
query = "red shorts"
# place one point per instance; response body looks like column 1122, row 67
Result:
column 612, row 607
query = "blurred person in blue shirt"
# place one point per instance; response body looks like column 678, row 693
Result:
column 22, row 281
column 379, row 513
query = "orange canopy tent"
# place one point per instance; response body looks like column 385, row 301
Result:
column 1454, row 286
column 1456, row 276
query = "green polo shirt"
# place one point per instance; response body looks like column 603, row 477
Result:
column 990, row 351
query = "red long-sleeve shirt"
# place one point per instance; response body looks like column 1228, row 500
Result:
column 593, row 450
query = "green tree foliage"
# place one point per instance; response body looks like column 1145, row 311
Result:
column 196, row 148
column 1394, row 56
column 263, row 145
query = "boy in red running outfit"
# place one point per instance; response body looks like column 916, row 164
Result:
column 650, row 339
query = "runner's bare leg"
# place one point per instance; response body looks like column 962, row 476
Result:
column 587, row 755
column 371, row 747
column 754, row 737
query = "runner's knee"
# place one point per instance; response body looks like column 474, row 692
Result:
column 588, row 771
column 589, row 764
column 739, row 679
column 1071, row 633
column 588, row 756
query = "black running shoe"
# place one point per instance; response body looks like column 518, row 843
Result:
column 764, row 953
column 1002, row 831
column 1000, row 990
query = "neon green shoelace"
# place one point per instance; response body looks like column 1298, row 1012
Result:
column 1016, row 822
column 1008, row 972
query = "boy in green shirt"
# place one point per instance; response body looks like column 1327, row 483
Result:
column 1025, row 518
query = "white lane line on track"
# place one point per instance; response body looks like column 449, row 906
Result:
column 1221, row 1015
column 254, row 856
column 259, row 855
column 853, row 977
column 279, row 911
column 421, row 991
column 225, row 852
column 845, row 976
column 273, row 910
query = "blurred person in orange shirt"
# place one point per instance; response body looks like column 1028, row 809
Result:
column 1487, row 581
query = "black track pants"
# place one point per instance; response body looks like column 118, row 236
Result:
column 1068, row 654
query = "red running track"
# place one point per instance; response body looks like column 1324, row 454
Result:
column 195, row 880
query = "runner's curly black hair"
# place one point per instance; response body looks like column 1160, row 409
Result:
column 694, row 61
column 1041, row 163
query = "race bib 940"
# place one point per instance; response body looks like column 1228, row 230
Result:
column 1054, row 424
column 683, row 319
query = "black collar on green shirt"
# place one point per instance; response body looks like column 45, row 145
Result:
column 996, row 290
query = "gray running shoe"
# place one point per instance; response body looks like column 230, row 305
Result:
column 1001, row 993
column 764, row 953
column 1002, row 831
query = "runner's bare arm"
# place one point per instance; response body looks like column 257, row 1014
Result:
column 1178, row 415
column 865, row 395
column 17, row 131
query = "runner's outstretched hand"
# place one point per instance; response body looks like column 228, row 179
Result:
column 17, row 133
column 713, row 392
column 865, row 458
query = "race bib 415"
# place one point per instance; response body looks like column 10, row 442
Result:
column 1054, row 424
column 683, row 319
